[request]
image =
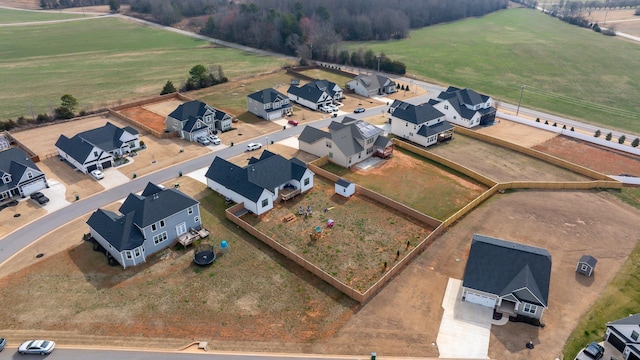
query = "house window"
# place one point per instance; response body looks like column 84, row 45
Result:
column 410, row 134
column 181, row 229
column 196, row 219
column 137, row 252
column 190, row 211
column 328, row 144
column 454, row 117
column 330, row 155
column 530, row 308
column 634, row 335
column 306, row 181
column 160, row 238
column 406, row 124
column 29, row 175
column 154, row 227
column 369, row 150
column 446, row 107
column 161, row 223
column 370, row 141
column 265, row 202
column 128, row 255
column 175, row 122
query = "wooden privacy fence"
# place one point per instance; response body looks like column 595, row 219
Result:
column 601, row 182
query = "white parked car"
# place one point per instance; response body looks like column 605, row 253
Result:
column 325, row 109
column 215, row 140
column 333, row 108
column 253, row 146
column 97, row 174
column 40, row 347
column 203, row 140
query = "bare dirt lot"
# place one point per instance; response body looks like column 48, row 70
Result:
column 520, row 134
column 500, row 164
column 364, row 236
column 145, row 117
column 219, row 305
column 622, row 20
column 606, row 161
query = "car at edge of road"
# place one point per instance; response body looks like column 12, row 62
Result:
column 97, row 174
column 253, row 146
column 3, row 343
column 292, row 122
column 39, row 197
column 359, row 110
column 41, row 347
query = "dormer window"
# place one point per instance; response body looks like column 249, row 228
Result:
column 6, row 178
column 29, row 175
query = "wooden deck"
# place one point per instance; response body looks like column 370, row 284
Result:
column 190, row 236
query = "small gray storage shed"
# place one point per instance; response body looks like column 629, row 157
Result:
column 345, row 188
column 586, row 265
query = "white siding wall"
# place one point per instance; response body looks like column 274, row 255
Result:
column 407, row 130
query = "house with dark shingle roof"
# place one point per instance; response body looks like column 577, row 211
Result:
column 624, row 336
column 371, row 85
column 316, row 94
column 268, row 104
column 262, row 182
column 347, row 142
column 422, row 124
column 512, row 278
column 19, row 175
column 465, row 107
column 96, row 148
column 195, row 119
column 145, row 224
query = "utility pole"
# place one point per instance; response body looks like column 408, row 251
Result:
column 379, row 56
column 520, row 100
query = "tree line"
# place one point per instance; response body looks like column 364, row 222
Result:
column 288, row 25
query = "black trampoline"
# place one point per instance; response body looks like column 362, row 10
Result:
column 204, row 255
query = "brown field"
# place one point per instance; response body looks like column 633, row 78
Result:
column 27, row 210
column 416, row 183
column 302, row 314
column 145, row 117
column 366, row 234
column 500, row 164
column 622, row 20
column 603, row 160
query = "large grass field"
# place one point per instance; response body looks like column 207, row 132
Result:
column 103, row 62
column 8, row 16
column 565, row 69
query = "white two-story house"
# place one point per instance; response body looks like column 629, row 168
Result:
column 268, row 104
column 422, row 124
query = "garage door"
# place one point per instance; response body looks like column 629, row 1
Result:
column 616, row 342
column 33, row 187
column 481, row 300
column 90, row 168
column 633, row 356
column 106, row 164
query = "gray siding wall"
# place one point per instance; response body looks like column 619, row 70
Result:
column 170, row 228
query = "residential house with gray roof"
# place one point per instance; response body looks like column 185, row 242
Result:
column 421, row 124
column 465, row 107
column 509, row 277
column 146, row 223
column 316, row 94
column 347, row 142
column 268, row 104
column 371, row 85
column 623, row 335
column 19, row 175
column 195, row 119
column 265, row 180
column 96, row 148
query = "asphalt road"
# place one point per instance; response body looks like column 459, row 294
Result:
column 82, row 354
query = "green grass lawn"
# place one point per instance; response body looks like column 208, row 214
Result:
column 103, row 62
column 620, row 298
column 565, row 69
column 8, row 16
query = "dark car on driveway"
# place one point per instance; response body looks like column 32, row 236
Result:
column 593, row 351
column 3, row 343
column 39, row 197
